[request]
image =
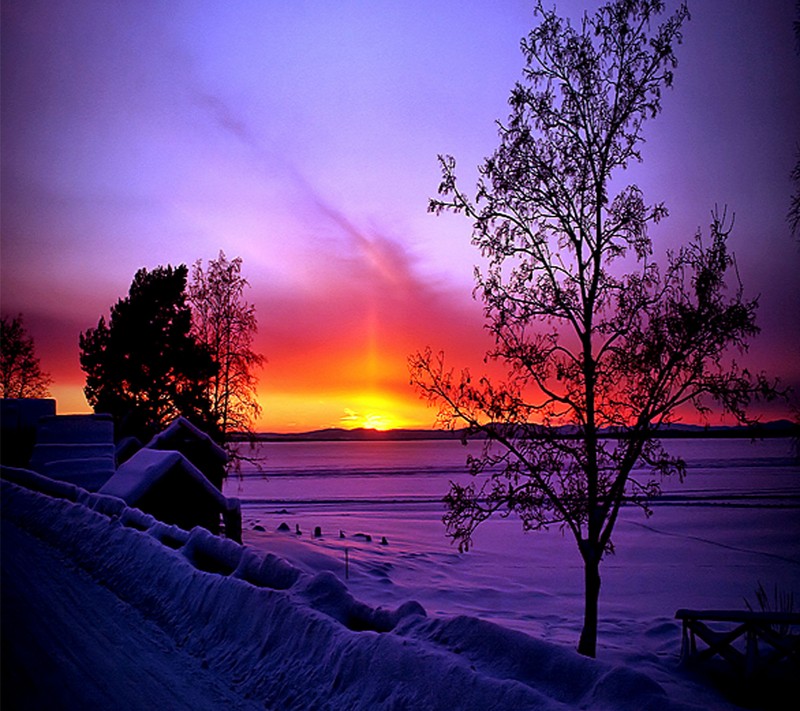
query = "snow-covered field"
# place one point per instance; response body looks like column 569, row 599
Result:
column 110, row 609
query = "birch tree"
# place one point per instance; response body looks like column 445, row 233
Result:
column 597, row 335
column 226, row 323
column 21, row 374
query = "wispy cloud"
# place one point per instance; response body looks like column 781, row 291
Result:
column 221, row 113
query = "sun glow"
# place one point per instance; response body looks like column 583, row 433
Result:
column 373, row 413
column 306, row 411
column 370, row 421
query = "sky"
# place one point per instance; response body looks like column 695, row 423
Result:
column 303, row 137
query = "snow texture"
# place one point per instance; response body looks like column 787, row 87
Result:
column 77, row 429
column 288, row 639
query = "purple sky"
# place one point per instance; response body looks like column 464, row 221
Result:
column 302, row 136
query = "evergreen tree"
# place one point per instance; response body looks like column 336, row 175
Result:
column 144, row 366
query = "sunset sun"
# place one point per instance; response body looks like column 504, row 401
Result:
column 377, row 422
column 371, row 417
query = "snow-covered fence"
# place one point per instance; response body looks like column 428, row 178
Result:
column 211, row 553
column 266, row 570
column 751, row 627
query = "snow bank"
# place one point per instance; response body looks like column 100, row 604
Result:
column 296, row 641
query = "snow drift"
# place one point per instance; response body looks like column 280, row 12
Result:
column 293, row 640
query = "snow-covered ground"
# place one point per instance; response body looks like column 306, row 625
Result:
column 734, row 523
column 105, row 608
column 711, row 563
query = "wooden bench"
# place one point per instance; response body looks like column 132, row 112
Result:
column 764, row 642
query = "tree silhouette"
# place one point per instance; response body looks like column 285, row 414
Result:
column 595, row 336
column 793, row 215
column 21, row 375
column 225, row 323
column 144, row 367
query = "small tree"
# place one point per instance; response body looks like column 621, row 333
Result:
column 793, row 215
column 596, row 339
column 21, row 374
column 144, row 367
column 225, row 324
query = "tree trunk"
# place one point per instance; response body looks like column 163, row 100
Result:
column 591, row 571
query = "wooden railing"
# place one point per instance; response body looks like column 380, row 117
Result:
column 768, row 637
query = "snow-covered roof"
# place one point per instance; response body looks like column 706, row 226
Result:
column 143, row 470
column 89, row 473
column 181, row 429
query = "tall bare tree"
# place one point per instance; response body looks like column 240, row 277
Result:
column 595, row 336
column 21, row 374
column 793, row 215
column 226, row 323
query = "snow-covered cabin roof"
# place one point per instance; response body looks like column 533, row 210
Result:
column 143, row 470
column 181, row 430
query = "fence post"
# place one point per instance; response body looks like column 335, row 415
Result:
column 751, row 653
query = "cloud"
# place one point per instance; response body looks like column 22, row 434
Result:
column 384, row 258
column 350, row 416
column 225, row 118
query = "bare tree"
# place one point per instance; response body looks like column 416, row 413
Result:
column 597, row 339
column 793, row 215
column 794, row 205
column 226, row 323
column 21, row 374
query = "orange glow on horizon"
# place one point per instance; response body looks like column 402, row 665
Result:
column 70, row 399
column 292, row 412
column 303, row 410
column 349, row 374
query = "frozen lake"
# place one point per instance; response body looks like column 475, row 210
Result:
column 418, row 471
column 735, row 521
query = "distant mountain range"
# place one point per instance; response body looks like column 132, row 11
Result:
column 777, row 428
